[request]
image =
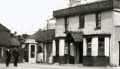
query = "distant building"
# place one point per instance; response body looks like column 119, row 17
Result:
column 51, row 23
column 44, row 39
column 88, row 34
column 7, row 40
column 40, row 42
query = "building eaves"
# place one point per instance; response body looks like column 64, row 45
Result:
column 84, row 9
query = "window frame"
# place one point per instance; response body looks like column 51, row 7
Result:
column 98, row 20
column 101, row 46
column 66, row 23
column 81, row 21
column 89, row 46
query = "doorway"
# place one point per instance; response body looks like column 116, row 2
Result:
column 79, row 52
column 80, row 47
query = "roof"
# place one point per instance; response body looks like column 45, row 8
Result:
column 14, row 41
column 76, row 36
column 87, row 8
column 6, row 39
column 43, row 36
column 3, row 28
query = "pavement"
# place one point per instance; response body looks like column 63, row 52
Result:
column 52, row 66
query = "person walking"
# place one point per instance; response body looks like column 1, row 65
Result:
column 15, row 54
column 8, row 57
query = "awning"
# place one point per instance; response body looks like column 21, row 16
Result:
column 76, row 36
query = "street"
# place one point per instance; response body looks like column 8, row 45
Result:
column 52, row 66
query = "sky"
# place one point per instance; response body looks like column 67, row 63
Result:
column 28, row 16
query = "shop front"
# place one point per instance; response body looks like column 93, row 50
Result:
column 96, row 49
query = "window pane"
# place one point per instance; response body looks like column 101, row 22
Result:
column 81, row 21
column 98, row 20
column 101, row 47
column 88, row 46
column 66, row 24
column 32, row 51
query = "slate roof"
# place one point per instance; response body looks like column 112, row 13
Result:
column 6, row 39
column 44, row 36
column 14, row 41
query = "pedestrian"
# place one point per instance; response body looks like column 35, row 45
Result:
column 8, row 57
column 15, row 54
column 40, row 57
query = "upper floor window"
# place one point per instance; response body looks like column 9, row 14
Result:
column 66, row 24
column 98, row 20
column 81, row 21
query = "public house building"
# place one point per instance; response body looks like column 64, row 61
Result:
column 88, row 34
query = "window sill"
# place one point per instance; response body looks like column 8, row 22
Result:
column 97, row 28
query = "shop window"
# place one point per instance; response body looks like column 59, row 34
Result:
column 98, row 20
column 81, row 21
column 89, row 46
column 101, row 45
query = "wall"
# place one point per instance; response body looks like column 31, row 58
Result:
column 73, row 24
column 106, row 23
column 115, row 47
column 60, row 28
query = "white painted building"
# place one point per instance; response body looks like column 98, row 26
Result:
column 30, row 48
column 88, row 34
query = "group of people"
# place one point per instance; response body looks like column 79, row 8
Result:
column 9, row 54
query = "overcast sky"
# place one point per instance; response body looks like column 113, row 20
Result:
column 27, row 16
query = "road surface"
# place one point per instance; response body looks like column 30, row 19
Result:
column 52, row 66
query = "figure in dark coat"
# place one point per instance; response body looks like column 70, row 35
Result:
column 8, row 57
column 15, row 54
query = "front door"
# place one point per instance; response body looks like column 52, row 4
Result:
column 79, row 52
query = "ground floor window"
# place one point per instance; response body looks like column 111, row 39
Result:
column 89, row 41
column 101, row 45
